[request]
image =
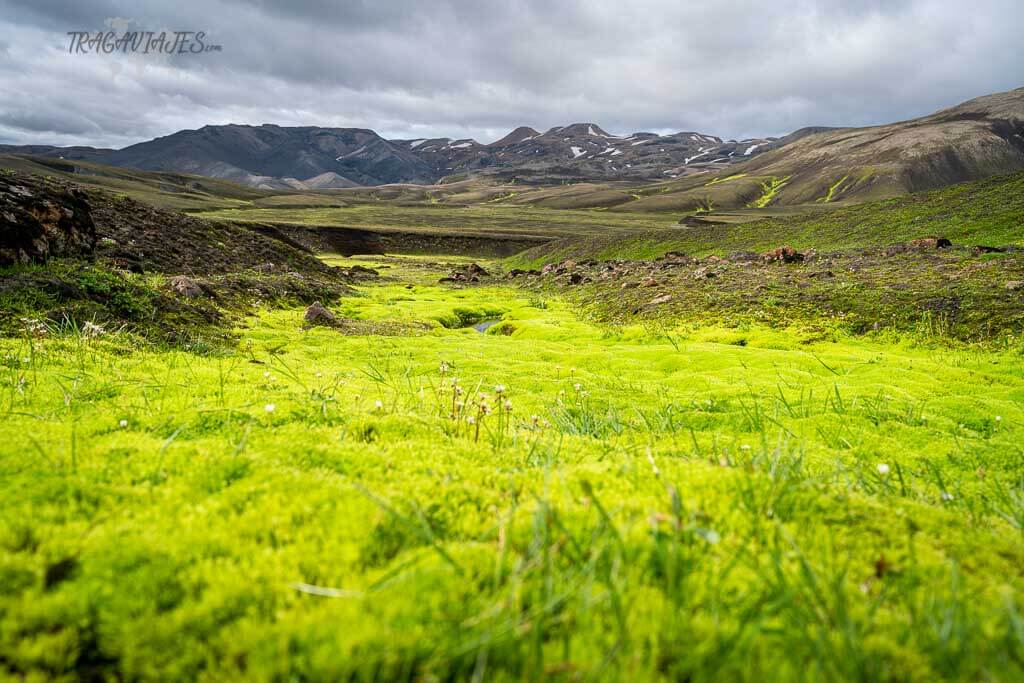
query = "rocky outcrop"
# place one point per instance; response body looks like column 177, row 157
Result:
column 39, row 221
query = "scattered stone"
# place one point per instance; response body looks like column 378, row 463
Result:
column 784, row 254
column 649, row 282
column 744, row 256
column 629, row 285
column 363, row 270
column 476, row 269
column 317, row 314
column 706, row 272
column 265, row 268
column 982, row 249
column 185, row 286
column 663, row 299
column 1014, row 285
column 931, row 243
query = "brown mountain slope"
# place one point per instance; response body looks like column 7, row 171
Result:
column 974, row 140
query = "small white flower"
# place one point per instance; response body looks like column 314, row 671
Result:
column 508, row 406
column 745, row 447
column 883, row 469
column 499, row 389
column 378, row 404
column 270, row 407
column 999, row 418
column 577, row 386
column 470, row 420
column 946, row 496
column 266, row 375
column 122, row 424
column 319, row 374
column 90, row 329
column 444, row 367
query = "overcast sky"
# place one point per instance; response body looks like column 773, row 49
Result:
column 476, row 68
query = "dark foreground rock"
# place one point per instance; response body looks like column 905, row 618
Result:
column 39, row 221
column 317, row 314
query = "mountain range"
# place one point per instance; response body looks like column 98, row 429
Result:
column 310, row 157
column 682, row 171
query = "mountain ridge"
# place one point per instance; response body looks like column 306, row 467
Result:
column 970, row 140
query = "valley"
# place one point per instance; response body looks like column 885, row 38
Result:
column 762, row 423
column 300, row 486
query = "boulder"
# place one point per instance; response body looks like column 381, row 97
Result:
column 317, row 314
column 784, row 254
column 185, row 286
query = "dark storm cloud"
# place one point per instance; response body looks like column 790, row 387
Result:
column 411, row 69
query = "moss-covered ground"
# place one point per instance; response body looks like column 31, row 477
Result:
column 988, row 212
column 554, row 498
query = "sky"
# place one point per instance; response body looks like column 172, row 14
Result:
column 451, row 68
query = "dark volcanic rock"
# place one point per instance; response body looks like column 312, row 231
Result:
column 39, row 221
column 317, row 314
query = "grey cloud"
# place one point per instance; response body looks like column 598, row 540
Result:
column 459, row 68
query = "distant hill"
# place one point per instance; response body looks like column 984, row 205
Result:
column 973, row 140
